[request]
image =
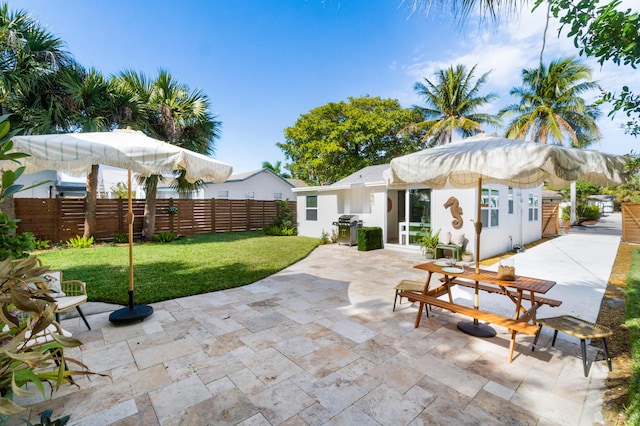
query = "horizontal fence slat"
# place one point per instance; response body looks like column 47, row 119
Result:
column 60, row 219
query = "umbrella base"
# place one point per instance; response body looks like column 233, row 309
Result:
column 130, row 314
column 473, row 328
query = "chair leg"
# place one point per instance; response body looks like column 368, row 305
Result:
column 606, row 352
column 583, row 348
column 83, row 317
column 555, row 334
column 394, row 301
column 535, row 339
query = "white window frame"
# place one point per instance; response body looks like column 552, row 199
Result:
column 510, row 201
column 490, row 210
column 223, row 195
column 277, row 195
column 534, row 208
column 311, row 210
column 249, row 195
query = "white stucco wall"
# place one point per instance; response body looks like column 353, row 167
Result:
column 263, row 185
column 41, row 191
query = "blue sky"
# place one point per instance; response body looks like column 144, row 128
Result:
column 263, row 63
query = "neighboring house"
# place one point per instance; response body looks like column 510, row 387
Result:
column 58, row 184
column 511, row 216
column 604, row 202
column 263, row 184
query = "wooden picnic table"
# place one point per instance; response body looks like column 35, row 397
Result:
column 519, row 290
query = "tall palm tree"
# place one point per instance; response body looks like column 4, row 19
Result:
column 452, row 102
column 551, row 108
column 167, row 110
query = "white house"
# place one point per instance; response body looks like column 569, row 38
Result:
column 510, row 217
column 60, row 184
column 263, row 184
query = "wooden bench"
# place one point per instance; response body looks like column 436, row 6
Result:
column 577, row 327
column 513, row 325
column 493, row 289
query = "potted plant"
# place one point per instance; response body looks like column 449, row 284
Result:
column 467, row 256
column 429, row 242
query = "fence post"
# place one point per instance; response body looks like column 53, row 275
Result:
column 171, row 216
column 213, row 215
column 57, row 211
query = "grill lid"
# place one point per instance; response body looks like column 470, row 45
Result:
column 348, row 218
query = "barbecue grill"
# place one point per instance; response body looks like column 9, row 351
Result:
column 348, row 229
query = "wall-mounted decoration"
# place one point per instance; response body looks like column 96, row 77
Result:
column 456, row 212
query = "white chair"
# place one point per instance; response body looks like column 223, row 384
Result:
column 67, row 294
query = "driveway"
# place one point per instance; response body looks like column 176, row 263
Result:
column 318, row 344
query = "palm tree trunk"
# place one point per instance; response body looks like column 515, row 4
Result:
column 149, row 220
column 90, row 202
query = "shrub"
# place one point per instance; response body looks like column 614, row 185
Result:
column 164, row 237
column 369, row 238
column 12, row 244
column 283, row 223
column 324, row 238
column 41, row 244
column 80, row 242
column 121, row 238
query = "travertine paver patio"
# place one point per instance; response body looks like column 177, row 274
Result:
column 318, row 344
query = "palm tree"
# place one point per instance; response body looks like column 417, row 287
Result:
column 452, row 101
column 167, row 110
column 276, row 168
column 551, row 107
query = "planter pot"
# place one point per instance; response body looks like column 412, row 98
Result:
column 430, row 255
column 467, row 257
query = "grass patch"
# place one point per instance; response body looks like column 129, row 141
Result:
column 632, row 320
column 192, row 265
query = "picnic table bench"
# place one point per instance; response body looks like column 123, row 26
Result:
column 522, row 288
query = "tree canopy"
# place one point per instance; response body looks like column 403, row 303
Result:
column 334, row 140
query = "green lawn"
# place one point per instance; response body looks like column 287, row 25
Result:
column 193, row 265
column 632, row 320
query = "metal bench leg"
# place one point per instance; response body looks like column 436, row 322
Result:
column 555, row 334
column 83, row 318
column 394, row 301
column 606, row 352
column 583, row 348
column 535, row 339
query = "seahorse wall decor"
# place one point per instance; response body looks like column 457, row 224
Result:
column 456, row 212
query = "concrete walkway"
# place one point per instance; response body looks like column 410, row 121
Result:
column 318, row 344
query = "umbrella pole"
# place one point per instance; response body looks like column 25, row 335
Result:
column 474, row 328
column 132, row 312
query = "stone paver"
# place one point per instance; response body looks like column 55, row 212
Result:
column 318, row 344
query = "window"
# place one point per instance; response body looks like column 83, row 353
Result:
column 510, row 200
column 312, row 207
column 249, row 195
column 490, row 212
column 223, row 194
column 277, row 195
column 533, row 208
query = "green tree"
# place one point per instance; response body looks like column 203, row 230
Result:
column 334, row 140
column 276, row 168
column 551, row 106
column 452, row 101
column 167, row 110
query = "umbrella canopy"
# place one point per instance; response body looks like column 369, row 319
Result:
column 494, row 160
column 511, row 162
column 75, row 153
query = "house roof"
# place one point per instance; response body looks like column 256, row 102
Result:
column 548, row 194
column 367, row 175
column 297, row 183
column 246, row 175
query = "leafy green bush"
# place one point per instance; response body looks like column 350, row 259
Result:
column 324, row 238
column 632, row 322
column 589, row 213
column 41, row 244
column 283, row 223
column 164, row 237
column 369, row 238
column 80, row 242
column 12, row 244
column 121, row 238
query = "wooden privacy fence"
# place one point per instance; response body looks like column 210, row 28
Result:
column 59, row 219
column 550, row 222
column 631, row 222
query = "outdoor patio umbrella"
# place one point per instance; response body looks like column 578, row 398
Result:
column 495, row 160
column 75, row 153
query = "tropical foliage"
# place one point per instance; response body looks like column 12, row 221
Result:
column 334, row 140
column 550, row 107
column 453, row 101
column 276, row 168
